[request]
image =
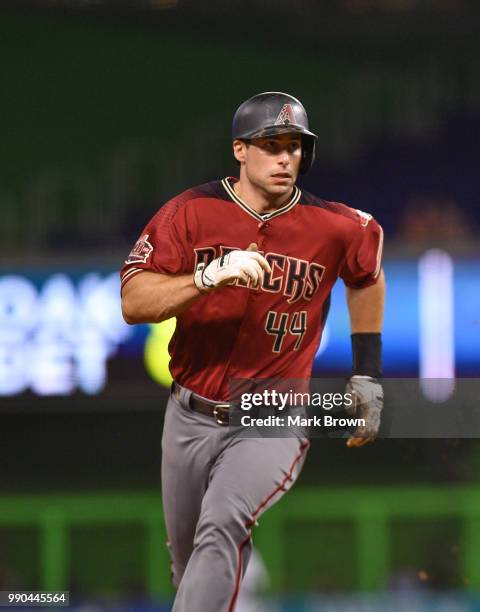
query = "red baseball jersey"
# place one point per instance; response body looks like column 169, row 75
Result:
column 241, row 333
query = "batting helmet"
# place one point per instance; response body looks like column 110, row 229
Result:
column 274, row 112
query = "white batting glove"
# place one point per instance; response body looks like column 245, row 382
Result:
column 246, row 266
column 367, row 404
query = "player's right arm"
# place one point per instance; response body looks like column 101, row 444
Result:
column 158, row 280
column 152, row 297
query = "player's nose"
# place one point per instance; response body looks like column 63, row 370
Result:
column 284, row 157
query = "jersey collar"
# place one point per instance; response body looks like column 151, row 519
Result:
column 260, row 217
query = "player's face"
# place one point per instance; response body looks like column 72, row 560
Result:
column 271, row 163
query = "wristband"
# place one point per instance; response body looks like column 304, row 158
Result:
column 367, row 354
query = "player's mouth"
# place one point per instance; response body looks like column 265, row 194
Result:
column 282, row 176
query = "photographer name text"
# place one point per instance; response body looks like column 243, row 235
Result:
column 300, row 421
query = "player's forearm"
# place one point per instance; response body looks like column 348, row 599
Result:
column 150, row 298
column 366, row 307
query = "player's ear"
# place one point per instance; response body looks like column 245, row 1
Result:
column 239, row 150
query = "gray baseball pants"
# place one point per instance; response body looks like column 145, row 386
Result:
column 215, row 486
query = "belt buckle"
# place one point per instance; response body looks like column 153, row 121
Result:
column 217, row 415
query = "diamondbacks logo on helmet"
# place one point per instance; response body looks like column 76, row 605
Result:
column 141, row 251
column 286, row 115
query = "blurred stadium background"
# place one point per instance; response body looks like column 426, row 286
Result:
column 110, row 108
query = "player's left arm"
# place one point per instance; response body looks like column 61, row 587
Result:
column 363, row 276
column 366, row 309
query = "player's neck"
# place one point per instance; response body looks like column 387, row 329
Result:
column 258, row 199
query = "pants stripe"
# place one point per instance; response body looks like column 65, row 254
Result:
column 281, row 486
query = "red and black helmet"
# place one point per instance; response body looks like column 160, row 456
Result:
column 274, row 112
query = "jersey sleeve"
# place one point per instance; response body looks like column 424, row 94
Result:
column 363, row 260
column 162, row 246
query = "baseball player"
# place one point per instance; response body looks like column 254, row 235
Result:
column 246, row 265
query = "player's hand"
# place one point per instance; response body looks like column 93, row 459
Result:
column 246, row 266
column 367, row 404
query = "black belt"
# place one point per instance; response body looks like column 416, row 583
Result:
column 220, row 411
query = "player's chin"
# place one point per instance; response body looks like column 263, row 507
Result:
column 280, row 187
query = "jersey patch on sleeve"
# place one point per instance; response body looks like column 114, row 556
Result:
column 141, row 251
column 365, row 218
